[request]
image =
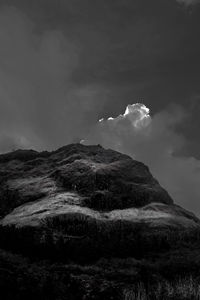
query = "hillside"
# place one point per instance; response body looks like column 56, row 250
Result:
column 81, row 204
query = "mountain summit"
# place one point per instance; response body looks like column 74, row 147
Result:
column 85, row 202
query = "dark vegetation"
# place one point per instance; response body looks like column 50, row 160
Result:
column 164, row 279
column 80, row 243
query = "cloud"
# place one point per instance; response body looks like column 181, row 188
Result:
column 154, row 141
column 188, row 2
column 40, row 106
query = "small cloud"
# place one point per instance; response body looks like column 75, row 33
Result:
column 154, row 141
column 138, row 114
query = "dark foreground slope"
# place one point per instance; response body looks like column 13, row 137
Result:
column 91, row 224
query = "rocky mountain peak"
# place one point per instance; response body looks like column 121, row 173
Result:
column 84, row 199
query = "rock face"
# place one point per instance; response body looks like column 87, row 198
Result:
column 86, row 202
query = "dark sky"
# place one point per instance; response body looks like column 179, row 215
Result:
column 64, row 64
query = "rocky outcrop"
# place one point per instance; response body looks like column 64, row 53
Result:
column 104, row 179
column 86, row 202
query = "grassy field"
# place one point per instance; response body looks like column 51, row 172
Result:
column 180, row 289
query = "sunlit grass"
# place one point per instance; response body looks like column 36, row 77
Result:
column 180, row 289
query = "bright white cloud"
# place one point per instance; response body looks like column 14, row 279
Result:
column 154, row 141
column 138, row 114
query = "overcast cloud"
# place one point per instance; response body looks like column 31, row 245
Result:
column 40, row 106
column 65, row 64
column 188, row 2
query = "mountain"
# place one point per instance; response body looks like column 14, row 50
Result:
column 81, row 204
